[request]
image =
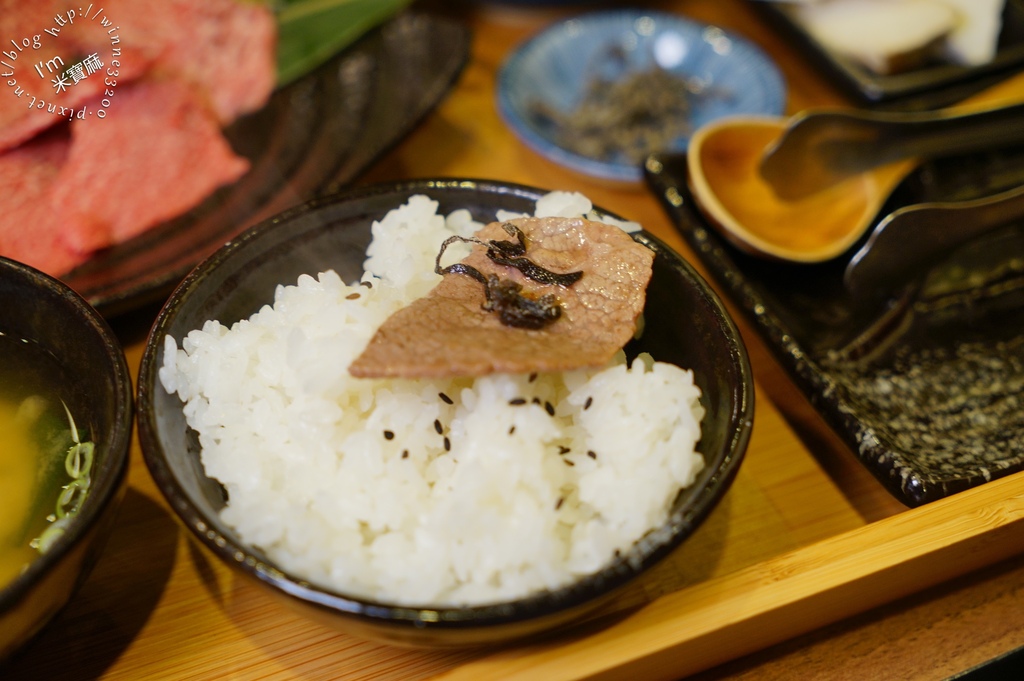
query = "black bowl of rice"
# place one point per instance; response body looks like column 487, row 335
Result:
column 437, row 512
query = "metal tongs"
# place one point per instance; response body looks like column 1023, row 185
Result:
column 822, row 147
column 890, row 266
column 910, row 239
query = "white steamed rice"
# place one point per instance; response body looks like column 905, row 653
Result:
column 347, row 483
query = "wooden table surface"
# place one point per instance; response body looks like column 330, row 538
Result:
column 801, row 512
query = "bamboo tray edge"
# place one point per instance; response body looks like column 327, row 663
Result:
column 791, row 594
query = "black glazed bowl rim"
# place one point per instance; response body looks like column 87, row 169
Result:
column 412, row 623
column 109, row 475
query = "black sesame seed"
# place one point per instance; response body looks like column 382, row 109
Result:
column 591, row 453
column 558, row 504
column 405, row 453
column 437, row 427
column 533, row 377
column 535, row 400
column 445, row 398
column 617, row 553
column 590, row 401
column 367, row 284
column 447, row 444
column 352, row 296
column 562, row 449
column 512, row 430
column 516, row 401
column 568, row 462
column 549, row 408
column 388, row 435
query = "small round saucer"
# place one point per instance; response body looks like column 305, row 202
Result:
column 723, row 74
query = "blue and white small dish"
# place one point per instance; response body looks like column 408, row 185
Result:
column 552, row 72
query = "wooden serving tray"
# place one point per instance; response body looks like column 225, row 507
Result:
column 804, row 537
column 795, row 592
column 785, row 552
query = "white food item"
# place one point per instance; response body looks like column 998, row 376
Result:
column 975, row 38
column 881, row 34
column 891, row 35
column 347, row 483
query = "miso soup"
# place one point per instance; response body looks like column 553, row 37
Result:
column 35, row 439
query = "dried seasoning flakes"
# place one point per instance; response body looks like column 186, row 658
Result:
column 449, row 333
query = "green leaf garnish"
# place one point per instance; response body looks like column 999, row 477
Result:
column 78, row 465
column 311, row 31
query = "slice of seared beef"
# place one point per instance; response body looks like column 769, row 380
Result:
column 450, row 331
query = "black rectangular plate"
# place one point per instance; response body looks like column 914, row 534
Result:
column 938, row 406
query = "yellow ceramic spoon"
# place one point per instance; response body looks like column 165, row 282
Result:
column 723, row 161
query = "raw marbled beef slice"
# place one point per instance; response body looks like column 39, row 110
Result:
column 226, row 48
column 33, row 104
column 29, row 230
column 158, row 154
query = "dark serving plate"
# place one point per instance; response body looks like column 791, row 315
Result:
column 925, row 385
column 932, row 85
column 313, row 137
column 686, row 324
